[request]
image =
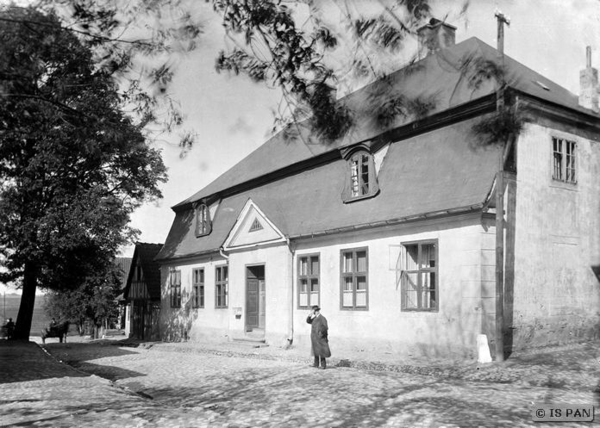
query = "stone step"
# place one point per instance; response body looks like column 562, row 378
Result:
column 254, row 342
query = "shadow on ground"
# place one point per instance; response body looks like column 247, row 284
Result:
column 77, row 355
column 269, row 394
column 79, row 352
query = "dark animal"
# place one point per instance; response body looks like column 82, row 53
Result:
column 59, row 330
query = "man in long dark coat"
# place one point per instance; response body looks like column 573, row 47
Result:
column 318, row 337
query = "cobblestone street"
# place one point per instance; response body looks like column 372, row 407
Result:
column 178, row 385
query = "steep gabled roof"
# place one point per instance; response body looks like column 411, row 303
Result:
column 443, row 170
column 145, row 254
column 446, row 79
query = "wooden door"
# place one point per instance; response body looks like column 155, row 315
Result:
column 148, row 321
column 262, row 303
column 252, row 303
column 255, row 297
column 137, row 326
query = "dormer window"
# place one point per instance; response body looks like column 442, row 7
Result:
column 203, row 223
column 362, row 180
column 359, row 174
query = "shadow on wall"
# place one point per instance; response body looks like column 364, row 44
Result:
column 509, row 269
column 568, row 328
column 596, row 330
column 177, row 322
column 596, row 270
column 452, row 338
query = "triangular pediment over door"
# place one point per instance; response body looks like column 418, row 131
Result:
column 252, row 228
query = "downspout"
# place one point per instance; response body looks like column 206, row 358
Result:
column 290, row 338
column 222, row 252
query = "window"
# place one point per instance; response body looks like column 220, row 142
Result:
column 203, row 224
column 564, row 160
column 359, row 174
column 354, row 281
column 308, row 281
column 221, row 280
column 419, row 276
column 255, row 225
column 175, row 288
column 198, row 288
column 362, row 180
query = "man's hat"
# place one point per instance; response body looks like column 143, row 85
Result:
column 316, row 308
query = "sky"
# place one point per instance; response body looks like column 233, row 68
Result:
column 233, row 116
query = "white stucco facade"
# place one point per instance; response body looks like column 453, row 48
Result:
column 465, row 287
column 557, row 245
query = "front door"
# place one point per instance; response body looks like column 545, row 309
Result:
column 138, row 321
column 255, row 298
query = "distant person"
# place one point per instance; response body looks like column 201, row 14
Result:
column 52, row 323
column 10, row 328
column 318, row 337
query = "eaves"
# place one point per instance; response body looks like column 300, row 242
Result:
column 393, row 222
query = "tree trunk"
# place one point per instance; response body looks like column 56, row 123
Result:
column 23, row 325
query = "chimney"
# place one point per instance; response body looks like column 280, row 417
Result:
column 434, row 36
column 588, row 83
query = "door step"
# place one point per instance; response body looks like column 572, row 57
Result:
column 254, row 342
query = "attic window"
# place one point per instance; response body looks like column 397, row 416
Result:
column 203, row 223
column 255, row 226
column 362, row 180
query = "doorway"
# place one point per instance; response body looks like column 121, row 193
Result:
column 255, row 299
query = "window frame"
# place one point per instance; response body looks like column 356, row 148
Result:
column 198, row 288
column 365, row 171
column 564, row 160
column 355, row 274
column 203, row 221
column 362, row 171
column 419, row 271
column 175, row 288
column 309, row 277
column 222, row 287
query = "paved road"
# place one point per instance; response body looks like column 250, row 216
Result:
column 167, row 388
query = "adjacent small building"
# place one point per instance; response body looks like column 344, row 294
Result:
column 143, row 293
column 464, row 200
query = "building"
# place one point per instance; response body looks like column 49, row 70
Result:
column 124, row 264
column 394, row 230
column 143, row 293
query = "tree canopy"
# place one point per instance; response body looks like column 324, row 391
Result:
column 73, row 164
column 94, row 300
column 310, row 60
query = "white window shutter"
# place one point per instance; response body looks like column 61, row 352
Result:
column 397, row 262
column 395, row 251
